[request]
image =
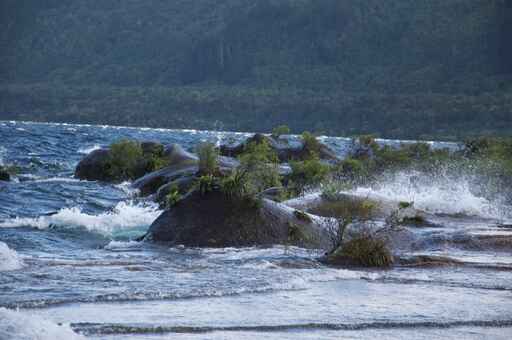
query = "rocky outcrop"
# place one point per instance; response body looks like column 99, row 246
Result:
column 285, row 150
column 214, row 220
column 95, row 166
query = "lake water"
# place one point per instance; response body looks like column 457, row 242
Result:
column 69, row 268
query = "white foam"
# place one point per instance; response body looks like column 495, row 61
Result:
column 125, row 215
column 127, row 188
column 87, row 150
column 55, row 179
column 3, row 151
column 9, row 259
column 121, row 245
column 15, row 325
column 435, row 194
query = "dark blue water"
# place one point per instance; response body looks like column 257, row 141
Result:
column 67, row 257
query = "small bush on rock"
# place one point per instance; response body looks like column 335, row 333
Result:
column 280, row 130
column 208, row 159
column 312, row 146
column 259, row 163
column 206, row 184
column 307, row 173
column 365, row 250
column 173, row 197
column 124, row 158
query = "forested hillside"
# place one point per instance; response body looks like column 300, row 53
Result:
column 398, row 68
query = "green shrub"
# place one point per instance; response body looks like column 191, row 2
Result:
column 173, row 197
column 235, row 186
column 345, row 207
column 405, row 205
column 306, row 173
column 280, row 130
column 332, row 189
column 312, row 146
column 368, row 140
column 366, row 250
column 206, row 184
column 260, row 164
column 352, row 169
column 208, row 159
column 124, row 158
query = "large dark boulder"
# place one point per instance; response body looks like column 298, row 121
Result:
column 4, row 175
column 95, row 166
column 286, row 150
column 214, row 220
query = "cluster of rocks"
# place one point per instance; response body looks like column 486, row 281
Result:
column 214, row 220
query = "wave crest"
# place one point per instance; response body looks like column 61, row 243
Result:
column 9, row 259
column 125, row 215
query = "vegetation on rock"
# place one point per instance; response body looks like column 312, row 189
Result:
column 364, row 250
column 208, row 159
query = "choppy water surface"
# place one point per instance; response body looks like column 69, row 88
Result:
column 68, row 267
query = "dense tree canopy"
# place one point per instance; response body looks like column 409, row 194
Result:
column 402, row 68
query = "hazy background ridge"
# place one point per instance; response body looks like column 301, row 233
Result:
column 399, row 68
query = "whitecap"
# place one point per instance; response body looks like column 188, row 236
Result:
column 87, row 150
column 125, row 215
column 9, row 259
column 15, row 325
column 122, row 245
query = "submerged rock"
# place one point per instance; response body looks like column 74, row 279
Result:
column 427, row 261
column 4, row 175
column 214, row 220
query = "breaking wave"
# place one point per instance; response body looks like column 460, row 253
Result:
column 124, row 215
column 9, row 259
column 15, row 325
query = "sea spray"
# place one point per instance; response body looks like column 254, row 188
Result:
column 441, row 193
column 9, row 259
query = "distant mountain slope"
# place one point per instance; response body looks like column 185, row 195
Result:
column 337, row 66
